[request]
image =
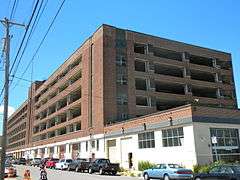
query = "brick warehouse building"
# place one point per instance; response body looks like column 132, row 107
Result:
column 129, row 96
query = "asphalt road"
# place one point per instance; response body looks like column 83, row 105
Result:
column 65, row 175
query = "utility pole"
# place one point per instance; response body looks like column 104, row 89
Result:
column 6, row 23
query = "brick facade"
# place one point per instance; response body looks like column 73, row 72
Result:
column 96, row 86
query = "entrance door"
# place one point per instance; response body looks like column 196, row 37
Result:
column 112, row 151
column 126, row 153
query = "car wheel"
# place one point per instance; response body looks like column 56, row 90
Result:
column 146, row 176
column 69, row 169
column 77, row 169
column 166, row 177
column 90, row 171
column 114, row 173
column 101, row 171
column 197, row 178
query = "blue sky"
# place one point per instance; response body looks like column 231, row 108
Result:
column 209, row 23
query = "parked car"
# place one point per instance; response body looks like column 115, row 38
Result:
column 168, row 171
column 51, row 163
column 103, row 166
column 35, row 162
column 226, row 172
column 10, row 170
column 79, row 165
column 63, row 164
column 44, row 160
column 21, row 161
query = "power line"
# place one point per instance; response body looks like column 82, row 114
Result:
column 25, row 34
column 43, row 39
column 14, row 8
column 23, row 39
column 35, row 23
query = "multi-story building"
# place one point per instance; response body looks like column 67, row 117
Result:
column 17, row 129
column 117, row 94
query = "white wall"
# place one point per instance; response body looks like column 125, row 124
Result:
column 184, row 155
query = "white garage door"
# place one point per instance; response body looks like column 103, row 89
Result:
column 126, row 148
column 112, row 151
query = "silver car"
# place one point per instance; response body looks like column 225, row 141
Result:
column 167, row 172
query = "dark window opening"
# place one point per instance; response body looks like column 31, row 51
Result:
column 201, row 60
column 78, row 126
column 62, row 103
column 141, row 101
column 227, row 65
column 168, row 54
column 62, row 131
column 204, row 92
column 170, row 71
column 141, row 84
column 225, row 79
column 51, row 134
column 164, row 105
column 202, row 76
column 169, row 88
column 140, row 48
column 75, row 112
column 140, row 66
column 62, row 118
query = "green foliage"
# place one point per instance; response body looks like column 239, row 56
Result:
column 206, row 168
column 143, row 165
column 121, row 169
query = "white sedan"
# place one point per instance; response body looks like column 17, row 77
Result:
column 63, row 164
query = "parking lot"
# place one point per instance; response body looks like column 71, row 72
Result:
column 64, row 175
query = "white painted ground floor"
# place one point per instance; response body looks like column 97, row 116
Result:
column 185, row 143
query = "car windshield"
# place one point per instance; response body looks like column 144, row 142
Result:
column 174, row 166
column 78, row 159
column 237, row 169
column 68, row 160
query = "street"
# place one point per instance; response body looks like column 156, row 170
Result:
column 65, row 175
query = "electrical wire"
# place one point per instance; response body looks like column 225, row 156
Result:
column 43, row 39
column 14, row 8
column 23, row 39
column 33, row 28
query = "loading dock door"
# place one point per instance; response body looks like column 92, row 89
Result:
column 126, row 150
column 112, row 151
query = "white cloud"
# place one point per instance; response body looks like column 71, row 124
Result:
column 10, row 110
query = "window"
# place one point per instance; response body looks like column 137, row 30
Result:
column 93, row 144
column 97, row 144
column 123, row 116
column 120, row 43
column 146, row 140
column 78, row 126
column 172, row 137
column 122, row 99
column 140, row 66
column 121, row 61
column 143, row 101
column 121, row 79
column 140, row 84
column 225, row 137
column 71, row 129
column 140, row 48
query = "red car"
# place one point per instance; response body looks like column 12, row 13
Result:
column 51, row 163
